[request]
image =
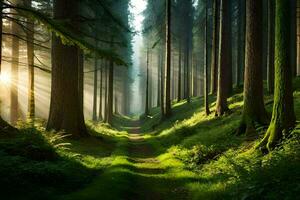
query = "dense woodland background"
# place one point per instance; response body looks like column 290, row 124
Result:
column 217, row 111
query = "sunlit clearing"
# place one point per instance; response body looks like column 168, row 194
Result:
column 5, row 78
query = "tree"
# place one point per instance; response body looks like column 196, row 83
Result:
column 293, row 36
column 95, row 97
column 168, row 109
column 30, row 61
column 241, row 41
column 147, row 85
column 179, row 73
column 110, row 95
column 214, row 53
column 100, row 116
column 253, row 111
column 66, row 109
column 206, row 104
column 283, row 117
column 224, row 60
column 271, row 48
column 14, row 107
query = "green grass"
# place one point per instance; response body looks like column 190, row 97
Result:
column 189, row 156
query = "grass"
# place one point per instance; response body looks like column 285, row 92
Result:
column 189, row 156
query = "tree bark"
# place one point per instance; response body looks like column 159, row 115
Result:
column 271, row 47
column 229, row 48
column 179, row 74
column 253, row 111
column 168, row 109
column 30, row 61
column 241, row 42
column 66, row 108
column 100, row 116
column 95, row 97
column 158, row 79
column 106, row 92
column 293, row 37
column 224, row 61
column 206, row 104
column 110, row 97
column 147, row 85
column 283, row 117
column 14, row 107
column 214, row 54
column 162, row 85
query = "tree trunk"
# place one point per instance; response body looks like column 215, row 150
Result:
column 168, row 109
column 95, row 97
column 293, row 37
column 158, row 78
column 206, row 104
column 254, row 110
column 147, row 86
column 283, row 117
column 14, row 107
column 271, row 47
column 224, row 61
column 241, row 42
column 179, row 74
column 229, row 48
column 188, row 75
column 30, row 61
column 106, row 92
column 214, row 54
column 162, row 85
column 66, row 109
column 100, row 116
column 110, row 97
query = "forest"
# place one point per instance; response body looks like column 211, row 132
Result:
column 149, row 99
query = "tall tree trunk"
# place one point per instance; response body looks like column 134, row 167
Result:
column 30, row 61
column 100, row 116
column 283, row 117
column 188, row 74
column 147, row 86
column 162, row 85
column 14, row 107
column 241, row 42
column 293, row 37
column 271, row 47
column 110, row 97
column 179, row 74
column 95, row 97
column 254, row 110
column 214, row 54
column 206, row 104
column 229, row 48
column 106, row 92
column 66, row 109
column 224, row 60
column 150, row 80
column 168, row 109
column 158, row 78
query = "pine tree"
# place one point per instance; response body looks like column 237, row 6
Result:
column 283, row 117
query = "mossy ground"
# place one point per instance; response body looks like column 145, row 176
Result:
column 189, row 156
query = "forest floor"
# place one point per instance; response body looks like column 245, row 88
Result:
column 189, row 156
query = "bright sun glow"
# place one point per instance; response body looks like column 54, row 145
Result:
column 5, row 78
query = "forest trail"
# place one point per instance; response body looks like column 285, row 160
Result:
column 135, row 173
column 151, row 179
